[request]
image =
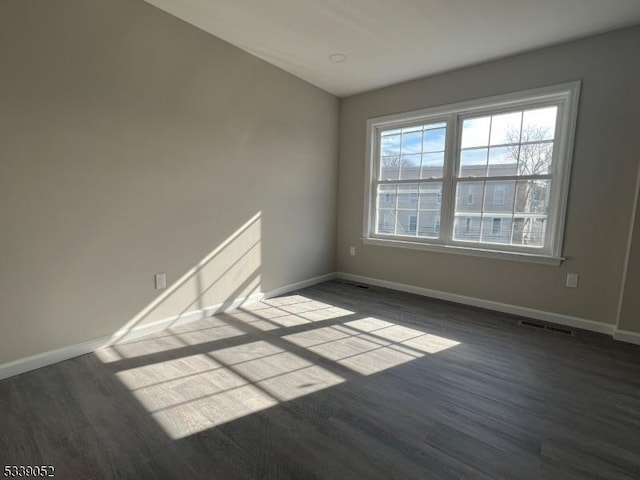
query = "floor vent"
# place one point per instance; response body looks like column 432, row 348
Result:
column 542, row 326
column 527, row 323
column 564, row 331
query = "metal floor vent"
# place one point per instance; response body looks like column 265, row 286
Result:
column 543, row 326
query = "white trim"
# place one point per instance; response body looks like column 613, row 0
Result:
column 193, row 315
column 471, row 251
column 33, row 362
column 479, row 105
column 627, row 255
column 39, row 360
column 299, row 285
column 558, row 318
column 627, row 336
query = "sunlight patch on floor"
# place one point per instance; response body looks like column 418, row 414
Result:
column 171, row 339
column 370, row 345
column 291, row 311
column 205, row 373
column 197, row 392
column 409, row 337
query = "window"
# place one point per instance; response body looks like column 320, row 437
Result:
column 499, row 194
column 413, row 223
column 492, row 175
column 496, row 226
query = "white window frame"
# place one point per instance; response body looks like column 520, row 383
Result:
column 564, row 96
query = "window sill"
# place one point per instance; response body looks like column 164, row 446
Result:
column 471, row 251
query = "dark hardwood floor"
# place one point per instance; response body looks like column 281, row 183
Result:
column 335, row 382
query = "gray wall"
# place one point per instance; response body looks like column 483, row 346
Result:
column 602, row 186
column 132, row 143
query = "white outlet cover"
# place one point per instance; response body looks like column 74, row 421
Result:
column 161, row 281
column 572, row 280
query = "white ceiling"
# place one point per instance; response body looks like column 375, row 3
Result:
column 389, row 41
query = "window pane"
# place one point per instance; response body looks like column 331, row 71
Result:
column 526, row 151
column 386, row 196
column 434, row 140
column 505, row 128
column 539, row 124
column 389, row 145
column 466, row 228
column 431, row 196
column 408, row 196
column 432, row 165
column 475, row 132
column 406, row 223
column 529, row 231
column 386, row 222
column 499, row 196
column 496, row 229
column 503, row 161
column 505, row 212
column 532, row 197
column 469, row 197
column 473, row 163
column 410, row 166
column 411, row 142
column 390, row 167
column 429, row 224
column 535, row 158
column 405, row 151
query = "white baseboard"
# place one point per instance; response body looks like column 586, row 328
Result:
column 560, row 319
column 299, row 285
column 33, row 362
column 191, row 316
column 627, row 336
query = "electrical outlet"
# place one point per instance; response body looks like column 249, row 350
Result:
column 572, row 280
column 352, row 251
column 161, row 281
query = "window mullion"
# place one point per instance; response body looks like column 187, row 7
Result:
column 395, row 209
column 410, row 181
column 504, row 178
column 373, row 180
column 447, row 205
